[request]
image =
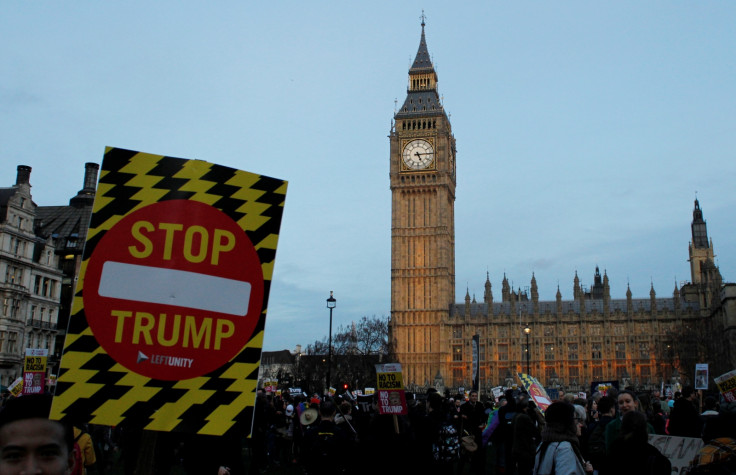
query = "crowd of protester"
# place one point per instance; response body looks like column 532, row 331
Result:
column 603, row 434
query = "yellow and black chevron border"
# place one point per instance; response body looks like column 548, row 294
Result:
column 94, row 388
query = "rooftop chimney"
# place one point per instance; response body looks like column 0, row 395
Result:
column 24, row 175
column 86, row 196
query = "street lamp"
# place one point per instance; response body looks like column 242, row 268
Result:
column 527, row 331
column 331, row 302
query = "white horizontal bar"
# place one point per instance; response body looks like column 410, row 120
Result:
column 174, row 287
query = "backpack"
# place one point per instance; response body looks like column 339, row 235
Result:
column 78, row 459
column 447, row 447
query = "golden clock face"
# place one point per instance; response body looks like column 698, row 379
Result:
column 418, row 154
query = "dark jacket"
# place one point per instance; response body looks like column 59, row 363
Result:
column 526, row 437
column 684, row 419
column 636, row 458
column 326, row 448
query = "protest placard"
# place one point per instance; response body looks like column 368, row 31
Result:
column 390, row 387
column 536, row 391
column 727, row 385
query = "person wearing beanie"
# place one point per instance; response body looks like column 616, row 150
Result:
column 560, row 449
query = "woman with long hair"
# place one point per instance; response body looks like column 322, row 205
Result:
column 632, row 453
column 627, row 402
column 559, row 452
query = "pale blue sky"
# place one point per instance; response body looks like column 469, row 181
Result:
column 583, row 129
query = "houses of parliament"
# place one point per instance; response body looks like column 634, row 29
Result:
column 568, row 343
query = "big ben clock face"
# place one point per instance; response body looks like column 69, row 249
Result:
column 418, row 154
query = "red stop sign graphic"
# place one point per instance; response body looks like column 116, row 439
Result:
column 174, row 290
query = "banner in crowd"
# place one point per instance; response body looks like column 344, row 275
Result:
column 475, row 363
column 497, row 392
column 536, row 391
column 390, row 387
column 679, row 450
column 34, row 370
column 602, row 387
column 727, row 385
column 701, row 376
column 170, row 307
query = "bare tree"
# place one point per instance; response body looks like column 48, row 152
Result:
column 688, row 343
column 356, row 349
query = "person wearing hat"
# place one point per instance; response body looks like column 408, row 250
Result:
column 559, row 451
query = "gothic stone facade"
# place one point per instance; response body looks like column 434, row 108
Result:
column 40, row 253
column 571, row 343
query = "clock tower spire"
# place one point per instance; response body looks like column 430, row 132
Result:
column 422, row 176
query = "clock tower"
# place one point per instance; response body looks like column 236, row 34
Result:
column 422, row 226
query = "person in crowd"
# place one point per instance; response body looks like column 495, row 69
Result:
column 502, row 436
column 631, row 453
column 657, row 419
column 718, row 456
column 437, row 439
column 596, row 443
column 592, row 410
column 710, row 412
column 684, row 420
column 559, row 451
column 473, row 422
column 30, row 443
column 87, row 447
column 582, row 419
column 627, row 402
column 455, row 413
column 326, row 447
column 613, row 392
column 344, row 419
column 259, row 459
column 525, row 439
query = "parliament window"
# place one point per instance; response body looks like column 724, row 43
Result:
column 572, row 351
column 457, row 353
column 596, row 351
column 645, row 372
column 457, row 332
column 644, row 350
column 549, row 372
column 620, row 351
column 597, row 373
column 503, row 352
column 548, row 330
column 549, row 351
column 618, row 330
column 595, row 330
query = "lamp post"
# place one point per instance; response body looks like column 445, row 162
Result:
column 331, row 302
column 527, row 331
